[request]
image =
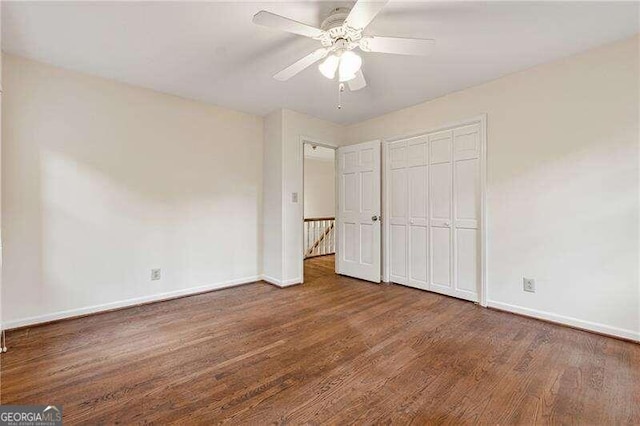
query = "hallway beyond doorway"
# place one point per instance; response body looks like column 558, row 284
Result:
column 317, row 268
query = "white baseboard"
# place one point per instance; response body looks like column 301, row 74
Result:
column 126, row 303
column 561, row 319
column 271, row 280
column 570, row 321
column 291, row 282
column 281, row 283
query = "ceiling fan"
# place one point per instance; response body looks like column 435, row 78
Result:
column 340, row 34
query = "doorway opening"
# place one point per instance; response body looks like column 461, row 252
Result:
column 319, row 207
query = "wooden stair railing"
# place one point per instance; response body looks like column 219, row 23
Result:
column 319, row 236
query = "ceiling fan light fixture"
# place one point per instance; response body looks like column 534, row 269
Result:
column 350, row 64
column 343, row 78
column 341, row 32
column 329, row 66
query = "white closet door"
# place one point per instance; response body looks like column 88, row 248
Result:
column 434, row 199
column 398, row 201
column 466, row 153
column 407, row 171
column 440, row 212
column 418, row 214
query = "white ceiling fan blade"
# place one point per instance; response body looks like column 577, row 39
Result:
column 397, row 45
column 272, row 20
column 301, row 64
column 363, row 12
column 357, row 83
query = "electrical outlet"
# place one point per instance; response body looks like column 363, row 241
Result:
column 529, row 284
column 294, row 197
column 155, row 274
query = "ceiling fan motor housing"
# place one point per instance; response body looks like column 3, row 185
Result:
column 335, row 29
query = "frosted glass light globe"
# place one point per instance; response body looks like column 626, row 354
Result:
column 350, row 64
column 329, row 66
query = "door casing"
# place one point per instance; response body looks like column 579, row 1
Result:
column 312, row 141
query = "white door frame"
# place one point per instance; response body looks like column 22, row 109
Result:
column 312, row 141
column 481, row 120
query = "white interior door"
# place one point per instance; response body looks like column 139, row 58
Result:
column 358, row 218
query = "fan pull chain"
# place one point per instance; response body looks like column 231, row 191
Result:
column 340, row 90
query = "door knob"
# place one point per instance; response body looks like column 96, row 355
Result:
column 374, row 218
column 447, row 224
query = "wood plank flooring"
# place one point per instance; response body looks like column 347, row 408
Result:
column 331, row 351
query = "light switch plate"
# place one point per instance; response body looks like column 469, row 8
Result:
column 294, row 197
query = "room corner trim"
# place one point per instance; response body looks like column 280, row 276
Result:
column 280, row 283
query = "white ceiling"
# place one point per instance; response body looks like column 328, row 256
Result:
column 211, row 51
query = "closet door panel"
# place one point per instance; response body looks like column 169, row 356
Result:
column 440, row 147
column 440, row 225
column 398, row 196
column 467, row 255
column 418, row 257
column 398, row 191
column 417, row 151
column 467, row 142
column 440, row 193
column 467, row 193
column 440, row 257
column 466, row 207
column 398, row 244
column 440, row 211
column 418, row 193
column 418, row 172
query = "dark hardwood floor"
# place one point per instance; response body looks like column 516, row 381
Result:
column 333, row 350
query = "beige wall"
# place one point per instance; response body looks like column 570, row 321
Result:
column 319, row 187
column 103, row 181
column 286, row 132
column 562, row 184
column 297, row 128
